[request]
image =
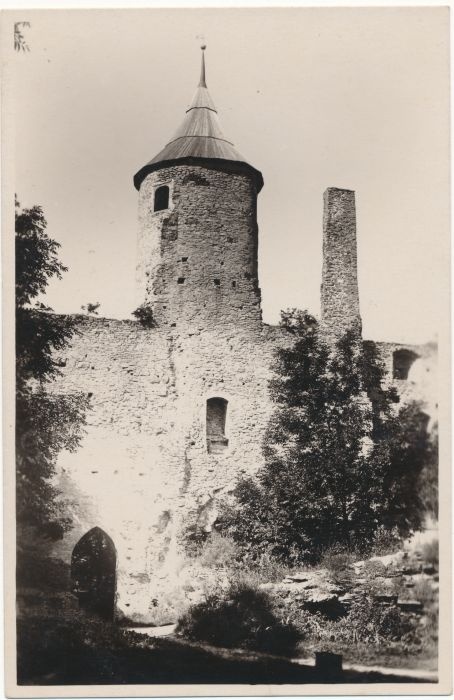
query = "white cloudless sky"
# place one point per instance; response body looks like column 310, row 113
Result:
column 345, row 97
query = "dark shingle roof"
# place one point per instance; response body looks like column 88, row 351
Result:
column 199, row 139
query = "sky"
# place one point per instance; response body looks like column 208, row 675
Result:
column 355, row 98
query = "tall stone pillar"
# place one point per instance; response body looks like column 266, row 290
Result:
column 339, row 290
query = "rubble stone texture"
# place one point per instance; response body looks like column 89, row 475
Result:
column 339, row 291
column 197, row 260
column 145, row 472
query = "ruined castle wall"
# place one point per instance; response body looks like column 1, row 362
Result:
column 143, row 472
column 197, row 260
column 121, row 474
column 339, row 290
column 421, row 384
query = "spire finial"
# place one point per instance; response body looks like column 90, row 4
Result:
column 202, row 82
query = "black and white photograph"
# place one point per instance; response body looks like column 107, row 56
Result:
column 226, row 338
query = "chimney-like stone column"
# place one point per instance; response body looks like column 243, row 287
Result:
column 339, row 291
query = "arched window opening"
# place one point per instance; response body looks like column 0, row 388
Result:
column 161, row 198
column 216, row 416
column 93, row 565
column 402, row 362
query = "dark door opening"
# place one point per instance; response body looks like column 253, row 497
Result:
column 93, row 565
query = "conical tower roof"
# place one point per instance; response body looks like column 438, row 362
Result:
column 200, row 140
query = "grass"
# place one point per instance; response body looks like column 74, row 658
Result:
column 83, row 653
column 337, row 560
column 220, row 553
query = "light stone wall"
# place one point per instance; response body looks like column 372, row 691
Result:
column 422, row 382
column 143, row 473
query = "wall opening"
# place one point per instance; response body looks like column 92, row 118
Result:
column 215, row 422
column 402, row 362
column 161, row 198
column 93, row 565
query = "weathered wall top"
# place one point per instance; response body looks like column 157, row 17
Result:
column 339, row 290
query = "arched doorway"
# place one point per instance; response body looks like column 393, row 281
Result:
column 93, row 565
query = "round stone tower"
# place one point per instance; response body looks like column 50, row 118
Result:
column 198, row 234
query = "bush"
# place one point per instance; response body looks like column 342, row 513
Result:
column 373, row 569
column 240, row 617
column 64, row 648
column 33, row 570
column 368, row 622
column 218, row 551
column 144, row 314
column 430, row 552
column 265, row 567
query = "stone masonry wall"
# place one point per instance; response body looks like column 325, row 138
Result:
column 197, row 260
column 143, row 472
column 421, row 385
column 339, row 290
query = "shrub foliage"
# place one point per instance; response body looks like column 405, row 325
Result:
column 242, row 618
column 340, row 461
column 144, row 314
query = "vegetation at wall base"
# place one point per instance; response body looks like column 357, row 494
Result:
column 240, row 617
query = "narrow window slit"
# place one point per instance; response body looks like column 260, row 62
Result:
column 216, row 413
column 161, row 198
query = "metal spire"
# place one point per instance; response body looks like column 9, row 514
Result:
column 199, row 137
column 202, row 82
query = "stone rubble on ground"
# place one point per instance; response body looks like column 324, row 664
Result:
column 318, row 590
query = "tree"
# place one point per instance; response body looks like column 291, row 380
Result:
column 91, row 307
column 46, row 423
column 19, row 40
column 336, row 466
column 144, row 314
